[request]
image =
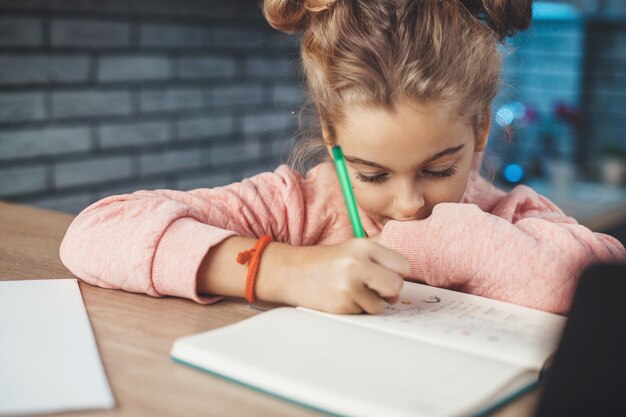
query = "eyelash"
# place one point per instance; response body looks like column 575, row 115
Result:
column 448, row 172
column 381, row 177
column 371, row 178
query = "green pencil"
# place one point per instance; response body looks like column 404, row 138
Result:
column 342, row 172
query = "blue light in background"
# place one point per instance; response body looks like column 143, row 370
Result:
column 513, row 173
column 504, row 116
column 544, row 10
column 510, row 112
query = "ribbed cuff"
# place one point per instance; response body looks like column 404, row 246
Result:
column 180, row 253
column 409, row 239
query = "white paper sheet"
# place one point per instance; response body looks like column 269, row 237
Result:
column 49, row 361
column 477, row 325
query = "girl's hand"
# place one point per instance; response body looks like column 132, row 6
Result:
column 353, row 277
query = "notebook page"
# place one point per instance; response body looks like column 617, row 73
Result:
column 477, row 325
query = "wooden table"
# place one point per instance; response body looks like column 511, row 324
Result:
column 135, row 332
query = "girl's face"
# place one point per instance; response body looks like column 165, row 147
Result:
column 403, row 163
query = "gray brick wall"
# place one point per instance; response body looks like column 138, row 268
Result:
column 108, row 97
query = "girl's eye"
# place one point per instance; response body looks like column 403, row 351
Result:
column 448, row 172
column 371, row 178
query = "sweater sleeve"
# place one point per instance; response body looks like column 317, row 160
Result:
column 525, row 251
column 154, row 241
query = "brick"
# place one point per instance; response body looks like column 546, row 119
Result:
column 255, row 147
column 556, row 28
column 72, row 204
column 233, row 153
column 125, row 7
column 92, row 171
column 131, row 186
column 206, row 67
column 21, row 69
column 133, row 68
column 20, row 31
column 236, row 95
column 549, row 74
column 256, row 123
column 187, row 8
column 67, row 68
column 204, row 127
column 238, row 38
column 172, row 99
column 281, row 150
column 250, row 171
column 557, row 44
column 90, row 103
column 141, row 7
column 215, row 10
column 279, row 41
column 38, row 142
column 207, row 180
column 22, row 180
column 173, row 36
column 19, row 107
column 268, row 67
column 90, row 33
column 552, row 82
column 176, row 160
column 133, row 134
column 20, row 5
column 288, row 94
column 548, row 63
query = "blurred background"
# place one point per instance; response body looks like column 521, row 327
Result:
column 101, row 97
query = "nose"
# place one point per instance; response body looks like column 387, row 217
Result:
column 408, row 202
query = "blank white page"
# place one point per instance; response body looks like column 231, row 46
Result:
column 346, row 369
column 49, row 360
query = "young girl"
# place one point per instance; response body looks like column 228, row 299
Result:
column 405, row 88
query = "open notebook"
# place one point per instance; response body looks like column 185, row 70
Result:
column 434, row 353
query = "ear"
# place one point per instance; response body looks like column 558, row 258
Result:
column 482, row 131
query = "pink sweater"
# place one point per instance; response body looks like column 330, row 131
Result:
column 517, row 247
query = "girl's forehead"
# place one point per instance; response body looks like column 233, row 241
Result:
column 409, row 128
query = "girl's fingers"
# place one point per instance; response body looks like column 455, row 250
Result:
column 392, row 300
column 383, row 281
column 389, row 259
column 369, row 300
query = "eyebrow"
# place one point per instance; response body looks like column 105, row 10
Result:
column 445, row 152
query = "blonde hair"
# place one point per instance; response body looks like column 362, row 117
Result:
column 370, row 52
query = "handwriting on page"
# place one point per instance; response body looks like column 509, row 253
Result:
column 470, row 323
column 463, row 317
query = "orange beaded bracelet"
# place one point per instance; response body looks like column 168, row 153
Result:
column 254, row 257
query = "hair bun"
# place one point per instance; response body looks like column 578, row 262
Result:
column 291, row 16
column 504, row 17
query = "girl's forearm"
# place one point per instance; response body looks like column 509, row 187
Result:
column 352, row 277
column 221, row 274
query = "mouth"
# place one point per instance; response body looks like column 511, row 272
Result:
column 408, row 219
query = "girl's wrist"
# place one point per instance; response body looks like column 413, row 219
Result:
column 277, row 273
